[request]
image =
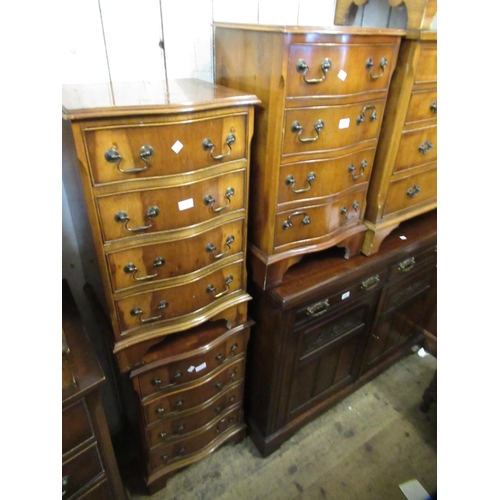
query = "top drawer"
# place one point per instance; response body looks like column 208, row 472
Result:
column 136, row 150
column 427, row 65
column 336, row 69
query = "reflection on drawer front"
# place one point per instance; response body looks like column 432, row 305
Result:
column 416, row 147
column 160, row 261
column 159, row 149
column 76, row 426
column 423, row 106
column 343, row 70
column 161, row 209
column 412, row 190
column 175, row 301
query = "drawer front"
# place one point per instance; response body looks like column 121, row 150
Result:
column 188, row 445
column 151, row 211
column 172, row 429
column 326, row 128
column 298, row 226
column 427, row 65
column 81, row 469
column 176, row 301
column 412, row 190
column 177, row 147
column 135, row 266
column 343, row 69
column 416, row 147
column 412, row 263
column 101, row 491
column 321, row 178
column 178, row 373
column 76, row 426
column 172, row 404
column 422, row 106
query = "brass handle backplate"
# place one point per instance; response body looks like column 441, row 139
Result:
column 290, row 181
column 209, row 200
column 131, row 268
column 425, row 147
column 122, row 218
column 318, row 309
column 208, row 145
column 137, row 311
column 113, row 156
column 303, row 68
column 370, row 65
column 298, row 129
column 406, row 265
column 370, row 282
column 413, row 191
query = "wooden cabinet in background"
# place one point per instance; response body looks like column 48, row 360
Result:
column 404, row 180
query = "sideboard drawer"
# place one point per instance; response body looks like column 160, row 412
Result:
column 76, row 426
column 416, row 147
column 423, row 106
column 427, row 64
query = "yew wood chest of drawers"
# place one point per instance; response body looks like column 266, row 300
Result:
column 323, row 94
column 404, row 181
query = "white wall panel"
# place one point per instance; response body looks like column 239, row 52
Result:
column 316, row 12
column 281, row 12
column 226, row 11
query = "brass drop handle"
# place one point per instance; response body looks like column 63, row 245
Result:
column 219, row 385
column 164, row 435
column 303, row 68
column 113, row 156
column 207, row 145
column 370, row 65
column 161, row 410
column 288, row 223
column 232, row 353
column 179, row 453
column 318, row 309
column 65, row 481
column 361, row 118
column 370, row 283
column 290, row 181
column 211, row 289
column 157, row 381
column 137, row 311
column 209, row 201
column 131, row 268
column 298, row 129
column 210, row 248
column 122, row 218
column 406, row 265
column 221, row 423
column 345, row 212
column 434, row 107
column 413, row 191
column 351, row 169
column 425, row 147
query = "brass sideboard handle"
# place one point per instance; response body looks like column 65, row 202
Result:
column 370, row 64
column 318, row 309
column 345, row 212
column 297, row 127
column 209, row 200
column 434, row 107
column 413, row 191
column 157, row 381
column 211, row 289
column 361, row 118
column 161, row 410
column 351, row 169
column 122, row 217
column 290, row 181
column 288, row 223
column 219, row 385
column 425, row 147
column 406, row 265
column 303, row 68
column 211, row 248
column 218, row 357
column 137, row 311
column 131, row 268
column 113, row 156
column 207, row 144
column 370, row 282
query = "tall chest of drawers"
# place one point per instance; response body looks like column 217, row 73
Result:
column 404, row 182
column 323, row 94
column 165, row 181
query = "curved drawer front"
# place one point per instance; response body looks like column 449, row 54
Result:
column 176, row 301
column 416, row 147
column 135, row 266
column 326, row 128
column 427, row 65
column 296, row 227
column 161, row 209
column 410, row 191
column 171, row 405
column 177, row 147
column 422, row 106
column 176, row 374
column 171, row 429
column 320, row 178
column 351, row 69
column 189, row 445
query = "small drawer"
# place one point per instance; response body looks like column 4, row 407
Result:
column 412, row 263
column 100, row 491
column 341, row 68
column 422, row 106
column 322, row 178
column 175, row 374
column 156, row 148
column 76, row 426
column 416, row 147
column 427, row 64
column 150, row 211
column 145, row 264
column 81, row 469
column 173, row 302
column 327, row 128
column 189, row 445
column 171, row 429
column 410, row 191
column 171, row 405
